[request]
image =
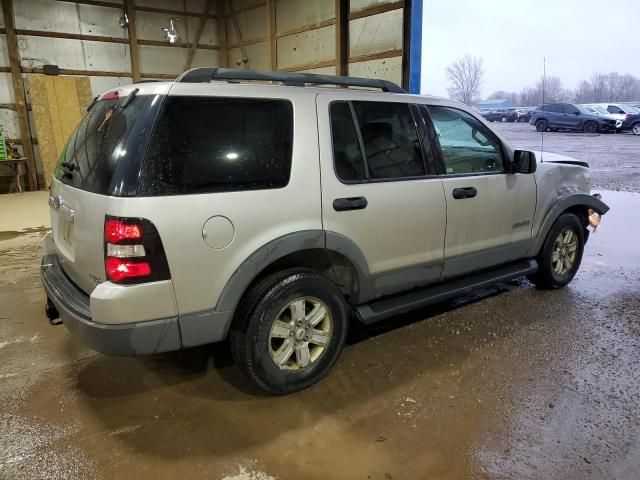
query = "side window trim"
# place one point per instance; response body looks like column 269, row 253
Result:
column 438, row 167
column 365, row 160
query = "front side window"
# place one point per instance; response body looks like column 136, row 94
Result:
column 216, row 144
column 468, row 147
column 571, row 109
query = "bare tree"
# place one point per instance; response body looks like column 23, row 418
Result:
column 530, row 97
column 629, row 88
column 613, row 87
column 550, row 89
column 584, row 93
column 598, row 87
column 465, row 77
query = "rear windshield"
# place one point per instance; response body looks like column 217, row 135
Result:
column 98, row 146
column 214, row 144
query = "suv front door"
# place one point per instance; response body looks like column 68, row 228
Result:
column 379, row 190
column 489, row 211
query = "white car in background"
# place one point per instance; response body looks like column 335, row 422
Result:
column 602, row 111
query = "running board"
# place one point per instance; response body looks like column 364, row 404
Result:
column 389, row 307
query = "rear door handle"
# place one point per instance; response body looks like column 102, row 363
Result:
column 466, row 192
column 351, row 203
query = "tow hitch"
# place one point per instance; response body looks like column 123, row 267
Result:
column 52, row 314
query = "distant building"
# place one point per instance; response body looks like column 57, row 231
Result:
column 495, row 103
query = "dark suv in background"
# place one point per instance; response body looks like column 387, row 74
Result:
column 567, row 116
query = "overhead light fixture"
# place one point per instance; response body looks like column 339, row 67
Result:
column 170, row 32
column 124, row 20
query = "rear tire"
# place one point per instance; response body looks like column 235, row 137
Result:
column 289, row 330
column 542, row 125
column 590, row 127
column 561, row 253
column 635, row 128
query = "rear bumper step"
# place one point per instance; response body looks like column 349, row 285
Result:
column 73, row 306
column 389, row 307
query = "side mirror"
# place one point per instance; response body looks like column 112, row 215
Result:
column 524, row 161
column 576, row 113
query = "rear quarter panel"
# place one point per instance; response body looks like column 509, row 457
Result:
column 199, row 272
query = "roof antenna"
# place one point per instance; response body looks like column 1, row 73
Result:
column 544, row 85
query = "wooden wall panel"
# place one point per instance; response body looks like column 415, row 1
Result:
column 58, row 105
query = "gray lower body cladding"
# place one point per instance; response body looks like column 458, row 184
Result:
column 155, row 336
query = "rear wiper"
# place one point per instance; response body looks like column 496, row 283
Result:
column 129, row 98
column 69, row 168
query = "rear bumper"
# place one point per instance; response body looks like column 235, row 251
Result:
column 73, row 304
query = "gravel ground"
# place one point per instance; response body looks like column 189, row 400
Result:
column 614, row 158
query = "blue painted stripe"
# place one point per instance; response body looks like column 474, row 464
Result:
column 415, row 46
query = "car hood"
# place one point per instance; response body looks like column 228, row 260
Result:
column 550, row 157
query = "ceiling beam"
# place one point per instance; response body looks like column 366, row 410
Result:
column 201, row 24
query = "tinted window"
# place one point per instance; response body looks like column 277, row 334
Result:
column 210, row 144
column 97, row 146
column 467, row 145
column 391, row 144
column 614, row 109
column 347, row 155
column 570, row 109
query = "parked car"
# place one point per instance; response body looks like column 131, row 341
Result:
column 223, row 223
column 566, row 116
column 631, row 114
column 602, row 112
column 501, row 115
column 524, row 114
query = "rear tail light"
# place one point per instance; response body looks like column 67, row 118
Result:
column 627, row 117
column 133, row 251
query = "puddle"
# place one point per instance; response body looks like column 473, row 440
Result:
column 10, row 234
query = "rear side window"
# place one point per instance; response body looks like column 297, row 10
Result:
column 214, row 144
column 387, row 136
column 99, row 145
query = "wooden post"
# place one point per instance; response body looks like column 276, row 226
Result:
column 223, row 59
column 271, row 34
column 342, row 37
column 134, row 53
column 194, row 45
column 406, row 43
column 18, row 92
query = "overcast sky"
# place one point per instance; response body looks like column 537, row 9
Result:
column 578, row 37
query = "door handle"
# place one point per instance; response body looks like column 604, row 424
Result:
column 467, row 192
column 351, row 203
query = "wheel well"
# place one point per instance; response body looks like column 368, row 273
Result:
column 582, row 212
column 333, row 265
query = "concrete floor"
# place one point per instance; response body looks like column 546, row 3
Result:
column 512, row 383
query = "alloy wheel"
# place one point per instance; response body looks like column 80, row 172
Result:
column 300, row 334
column 564, row 252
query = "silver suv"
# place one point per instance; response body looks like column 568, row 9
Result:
column 276, row 212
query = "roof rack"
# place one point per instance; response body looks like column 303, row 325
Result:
column 204, row 75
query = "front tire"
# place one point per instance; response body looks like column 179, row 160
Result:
column 290, row 330
column 542, row 125
column 561, row 254
column 590, row 127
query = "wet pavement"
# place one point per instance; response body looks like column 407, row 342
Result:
column 511, row 383
column 614, row 158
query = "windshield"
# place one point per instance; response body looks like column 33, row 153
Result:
column 599, row 109
column 98, row 145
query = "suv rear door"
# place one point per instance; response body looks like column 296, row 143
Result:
column 102, row 152
column 379, row 189
column 489, row 211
